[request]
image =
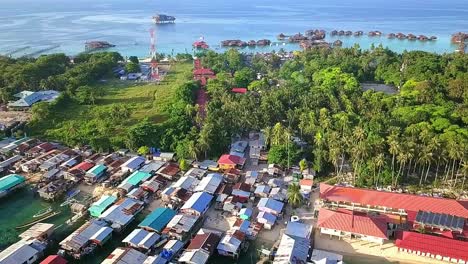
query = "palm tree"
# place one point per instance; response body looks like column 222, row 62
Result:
column 379, row 162
column 425, row 159
column 393, row 149
column 294, row 195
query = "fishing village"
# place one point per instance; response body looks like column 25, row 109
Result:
column 152, row 209
column 146, row 205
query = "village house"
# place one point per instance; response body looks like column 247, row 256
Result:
column 195, row 173
column 241, row 191
column 210, row 165
column 151, row 185
column 124, row 256
column 182, row 226
column 278, row 194
column 209, row 183
column 77, row 172
column 188, row 183
column 164, row 156
column 197, row 204
column 141, row 239
column 133, row 181
column 138, row 193
column 152, row 167
column 169, row 171
column 295, row 244
column 257, row 144
column 98, row 207
column 96, row 174
column 227, row 162
column 262, row 191
column 133, row 164
column 232, row 205
column 268, row 220
column 231, row 244
column 83, row 240
column 245, row 213
column 122, row 213
column 31, row 246
column 201, row 247
column 238, row 148
column 157, row 219
column 232, row 175
column 271, row 206
column 29, row 98
column 344, row 223
column 252, row 177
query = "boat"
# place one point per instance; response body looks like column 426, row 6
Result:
column 43, row 212
column 49, row 215
column 70, row 199
column 163, row 19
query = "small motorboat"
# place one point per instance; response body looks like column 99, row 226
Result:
column 42, row 212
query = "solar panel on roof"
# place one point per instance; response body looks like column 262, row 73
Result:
column 443, row 221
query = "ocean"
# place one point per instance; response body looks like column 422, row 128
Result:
column 32, row 27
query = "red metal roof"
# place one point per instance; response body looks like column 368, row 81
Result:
column 411, row 203
column 231, row 160
column 54, row 259
column 85, row 166
column 364, row 225
column 306, row 182
column 239, row 90
column 445, row 247
column 207, row 242
column 46, row 146
column 203, row 71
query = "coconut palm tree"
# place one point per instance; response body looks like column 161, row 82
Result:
column 294, row 195
column 379, row 162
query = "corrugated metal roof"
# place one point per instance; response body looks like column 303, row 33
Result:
column 229, row 243
column 102, row 234
column 444, row 247
column 411, row 203
column 187, row 183
column 134, row 163
column 10, row 181
column 158, row 219
column 298, row 229
column 198, row 202
column 102, row 204
column 356, row 224
column 142, row 238
column 137, row 177
column 292, row 250
column 210, row 183
column 266, row 218
column 98, row 169
column 271, row 204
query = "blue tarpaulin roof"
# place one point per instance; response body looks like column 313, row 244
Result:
column 158, row 219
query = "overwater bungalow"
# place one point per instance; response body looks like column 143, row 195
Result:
column 334, row 32
column 200, row 44
column 233, row 43
column 348, row 33
column 263, row 42
column 432, row 38
column 374, row 33
column 281, row 37
column 252, row 43
column 400, row 35
column 422, row 38
column 391, row 36
column 411, row 36
column 297, row 38
column 358, row 33
column 341, row 33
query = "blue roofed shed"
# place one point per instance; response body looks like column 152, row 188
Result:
column 158, row 219
column 101, row 205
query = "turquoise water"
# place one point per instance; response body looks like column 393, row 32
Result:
column 36, row 25
column 19, row 208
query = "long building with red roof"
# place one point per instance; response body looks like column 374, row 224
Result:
column 343, row 223
column 405, row 205
column 433, row 247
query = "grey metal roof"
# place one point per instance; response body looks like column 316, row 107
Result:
column 142, row 238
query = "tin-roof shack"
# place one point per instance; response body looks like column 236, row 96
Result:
column 158, row 219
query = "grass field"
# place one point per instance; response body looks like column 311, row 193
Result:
column 142, row 99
